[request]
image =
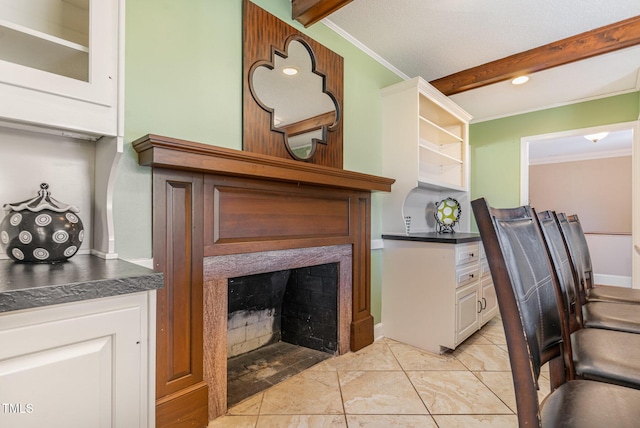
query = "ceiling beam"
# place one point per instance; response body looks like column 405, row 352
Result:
column 602, row 40
column 308, row 12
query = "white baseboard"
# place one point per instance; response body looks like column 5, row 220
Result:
column 377, row 331
column 102, row 255
column 617, row 280
column 377, row 244
column 148, row 263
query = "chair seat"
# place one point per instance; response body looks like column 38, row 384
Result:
column 612, row 316
column 607, row 356
column 609, row 293
column 585, row 404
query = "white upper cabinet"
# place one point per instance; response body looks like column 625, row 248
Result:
column 60, row 63
column 62, row 74
column 425, row 135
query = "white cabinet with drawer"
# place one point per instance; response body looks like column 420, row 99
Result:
column 434, row 294
column 81, row 364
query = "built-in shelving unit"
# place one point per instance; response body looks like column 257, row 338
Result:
column 425, row 148
column 85, row 329
column 442, row 147
column 43, row 51
column 61, row 63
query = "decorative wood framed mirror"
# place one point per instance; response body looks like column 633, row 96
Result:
column 294, row 116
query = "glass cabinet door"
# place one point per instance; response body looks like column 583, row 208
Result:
column 61, row 47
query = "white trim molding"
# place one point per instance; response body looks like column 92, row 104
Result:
column 357, row 43
column 378, row 331
column 617, row 280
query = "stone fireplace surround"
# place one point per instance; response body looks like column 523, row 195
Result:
column 215, row 207
column 218, row 270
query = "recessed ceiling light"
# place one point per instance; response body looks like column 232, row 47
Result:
column 290, row 71
column 520, row 80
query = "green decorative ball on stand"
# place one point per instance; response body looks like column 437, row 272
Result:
column 447, row 215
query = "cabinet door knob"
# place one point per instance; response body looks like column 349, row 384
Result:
column 470, row 254
column 471, row 275
column 479, row 306
column 484, row 303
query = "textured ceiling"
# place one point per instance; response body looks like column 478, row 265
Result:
column 435, row 38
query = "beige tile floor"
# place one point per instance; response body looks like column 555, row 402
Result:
column 391, row 384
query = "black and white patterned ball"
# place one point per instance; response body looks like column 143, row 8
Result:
column 41, row 237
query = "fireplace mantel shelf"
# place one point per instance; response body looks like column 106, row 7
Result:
column 165, row 152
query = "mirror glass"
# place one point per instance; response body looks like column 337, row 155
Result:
column 295, row 94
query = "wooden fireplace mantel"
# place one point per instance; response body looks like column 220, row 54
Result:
column 210, row 201
column 166, row 152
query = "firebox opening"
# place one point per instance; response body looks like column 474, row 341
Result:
column 279, row 323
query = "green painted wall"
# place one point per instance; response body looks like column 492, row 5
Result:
column 495, row 145
column 183, row 76
column 183, row 80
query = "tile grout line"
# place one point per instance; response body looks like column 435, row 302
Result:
column 411, row 383
column 492, row 343
column 344, row 410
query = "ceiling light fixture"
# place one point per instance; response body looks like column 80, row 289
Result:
column 520, row 80
column 596, row 137
column 290, row 71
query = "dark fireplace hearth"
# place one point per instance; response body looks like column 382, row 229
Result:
column 255, row 371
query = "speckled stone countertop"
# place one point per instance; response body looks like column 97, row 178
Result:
column 82, row 277
column 441, row 238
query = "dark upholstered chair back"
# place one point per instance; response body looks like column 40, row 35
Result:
column 524, row 282
column 578, row 248
column 563, row 265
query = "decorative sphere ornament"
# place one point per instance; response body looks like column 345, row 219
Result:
column 41, row 230
column 447, row 215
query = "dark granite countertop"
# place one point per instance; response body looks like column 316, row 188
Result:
column 82, row 277
column 441, row 238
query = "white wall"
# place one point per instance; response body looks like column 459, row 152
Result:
column 66, row 164
column 611, row 258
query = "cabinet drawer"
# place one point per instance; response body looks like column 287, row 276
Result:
column 467, row 253
column 467, row 275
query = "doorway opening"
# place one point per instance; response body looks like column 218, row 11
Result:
column 599, row 181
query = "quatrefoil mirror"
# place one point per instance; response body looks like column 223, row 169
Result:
column 295, row 94
column 296, row 117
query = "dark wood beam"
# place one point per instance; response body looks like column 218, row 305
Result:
column 602, row 40
column 308, row 12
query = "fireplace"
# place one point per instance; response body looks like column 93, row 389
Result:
column 222, row 213
column 298, row 306
column 278, row 325
column 217, row 272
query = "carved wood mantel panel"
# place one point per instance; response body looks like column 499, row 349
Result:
column 212, row 201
